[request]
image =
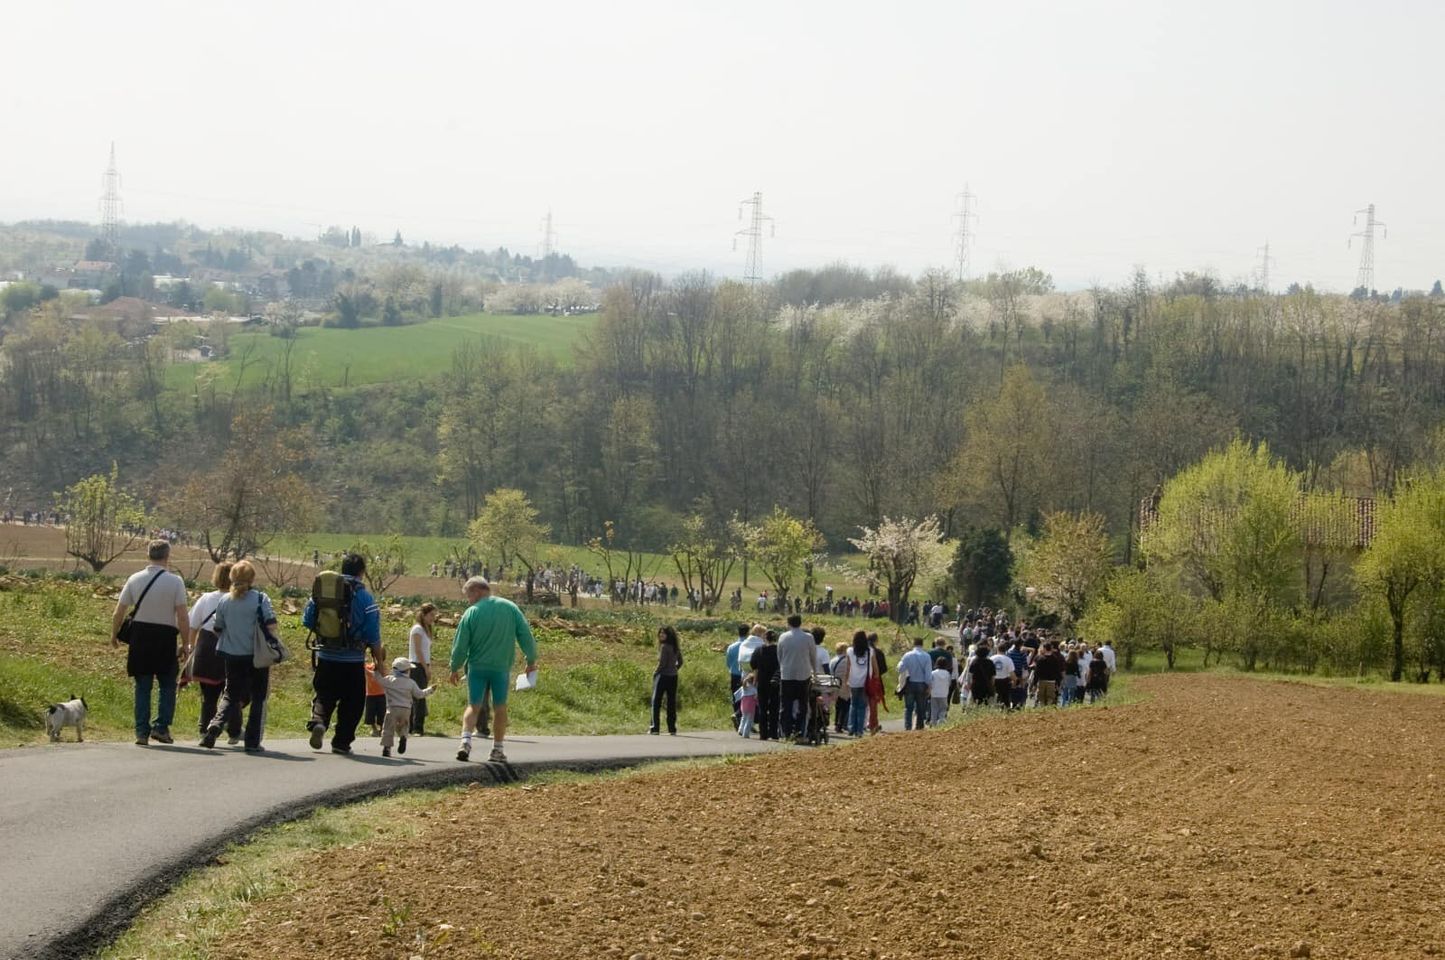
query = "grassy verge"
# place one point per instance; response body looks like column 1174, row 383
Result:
column 597, row 670
column 214, row 902
column 1191, row 660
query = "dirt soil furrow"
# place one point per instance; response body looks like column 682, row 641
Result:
column 1220, row 817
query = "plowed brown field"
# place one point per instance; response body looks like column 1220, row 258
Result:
column 1220, row 817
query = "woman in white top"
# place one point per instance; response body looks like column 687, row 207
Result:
column 208, row 670
column 861, row 665
column 418, row 651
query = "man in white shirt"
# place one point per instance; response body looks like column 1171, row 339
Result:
column 824, row 661
column 1003, row 667
column 1110, row 660
column 159, row 624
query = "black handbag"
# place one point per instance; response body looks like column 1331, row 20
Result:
column 123, row 634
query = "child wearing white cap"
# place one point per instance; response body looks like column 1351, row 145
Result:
column 401, row 692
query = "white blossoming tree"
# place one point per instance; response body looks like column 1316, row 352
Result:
column 903, row 553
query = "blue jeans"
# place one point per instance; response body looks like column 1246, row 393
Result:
column 858, row 712
column 915, row 701
column 165, row 708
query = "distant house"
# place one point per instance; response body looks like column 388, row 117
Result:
column 178, row 317
column 88, row 274
column 128, row 310
column 164, row 281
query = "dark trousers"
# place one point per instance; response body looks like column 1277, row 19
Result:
column 767, row 710
column 795, row 708
column 664, row 687
column 244, row 683
column 375, row 710
column 735, row 681
column 210, row 696
column 340, row 687
column 840, row 714
column 915, row 705
column 418, row 709
column 1003, row 690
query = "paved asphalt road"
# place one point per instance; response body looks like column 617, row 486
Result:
column 93, row 831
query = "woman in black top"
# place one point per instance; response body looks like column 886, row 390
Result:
column 765, row 665
column 664, row 679
column 1069, row 692
column 1098, row 678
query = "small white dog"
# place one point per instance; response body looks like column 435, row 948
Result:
column 71, row 713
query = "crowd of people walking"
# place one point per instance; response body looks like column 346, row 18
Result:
column 226, row 644
column 785, row 684
column 778, row 679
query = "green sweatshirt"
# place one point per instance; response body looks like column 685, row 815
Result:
column 486, row 635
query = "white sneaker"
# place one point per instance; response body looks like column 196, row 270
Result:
column 497, row 756
column 465, row 751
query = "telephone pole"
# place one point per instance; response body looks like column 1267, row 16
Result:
column 754, row 234
column 110, row 207
column 549, row 236
column 965, row 216
column 1366, row 276
column 1264, row 261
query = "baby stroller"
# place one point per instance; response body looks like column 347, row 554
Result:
column 824, row 694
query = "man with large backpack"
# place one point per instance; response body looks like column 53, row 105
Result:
column 345, row 622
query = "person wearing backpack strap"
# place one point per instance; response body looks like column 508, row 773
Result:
column 151, row 617
column 208, row 667
column 345, row 621
column 238, row 616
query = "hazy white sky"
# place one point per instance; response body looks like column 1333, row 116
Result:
column 1097, row 135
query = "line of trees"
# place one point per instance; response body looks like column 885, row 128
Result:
column 1245, row 561
column 841, row 397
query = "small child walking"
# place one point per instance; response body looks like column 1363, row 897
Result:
column 375, row 700
column 941, row 683
column 747, row 696
column 401, row 692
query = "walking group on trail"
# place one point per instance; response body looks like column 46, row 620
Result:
column 785, row 685
column 226, row 643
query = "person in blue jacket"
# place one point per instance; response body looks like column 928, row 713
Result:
column 735, row 674
column 340, row 678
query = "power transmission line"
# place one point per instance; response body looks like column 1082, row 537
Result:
column 963, row 236
column 549, row 236
column 110, row 206
column 1366, row 277
column 754, row 233
column 1264, row 263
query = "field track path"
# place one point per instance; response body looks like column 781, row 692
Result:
column 94, row 831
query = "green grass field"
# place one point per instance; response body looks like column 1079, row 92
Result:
column 329, row 356
column 53, row 644
column 845, row 576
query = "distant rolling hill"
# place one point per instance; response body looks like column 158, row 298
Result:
column 334, row 357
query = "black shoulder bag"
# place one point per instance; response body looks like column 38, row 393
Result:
column 123, row 634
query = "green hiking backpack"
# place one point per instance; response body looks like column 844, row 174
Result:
column 332, row 594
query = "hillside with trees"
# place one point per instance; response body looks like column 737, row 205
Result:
column 837, row 409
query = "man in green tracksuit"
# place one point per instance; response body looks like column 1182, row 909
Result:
column 485, row 642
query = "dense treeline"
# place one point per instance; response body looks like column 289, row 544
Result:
column 841, row 395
